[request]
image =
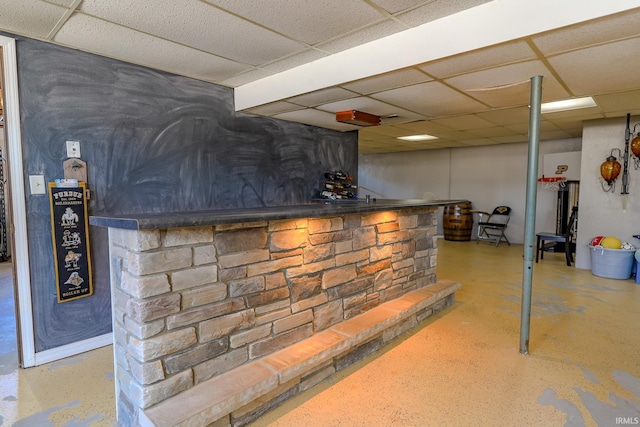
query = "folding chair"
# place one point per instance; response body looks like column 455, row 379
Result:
column 566, row 239
column 492, row 230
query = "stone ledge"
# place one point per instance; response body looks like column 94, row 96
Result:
column 217, row 397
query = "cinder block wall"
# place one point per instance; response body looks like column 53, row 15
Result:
column 192, row 303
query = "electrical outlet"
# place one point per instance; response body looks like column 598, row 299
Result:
column 36, row 182
column 73, row 149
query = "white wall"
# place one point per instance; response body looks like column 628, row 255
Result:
column 488, row 176
column 602, row 213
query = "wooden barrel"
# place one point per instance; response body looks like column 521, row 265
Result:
column 457, row 222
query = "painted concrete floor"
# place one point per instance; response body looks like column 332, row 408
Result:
column 73, row 392
column 461, row 367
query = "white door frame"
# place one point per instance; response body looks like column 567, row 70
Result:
column 20, row 253
column 18, row 231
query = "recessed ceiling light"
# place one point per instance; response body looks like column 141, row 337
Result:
column 417, row 137
column 567, row 104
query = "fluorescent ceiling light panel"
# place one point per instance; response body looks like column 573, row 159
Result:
column 417, row 137
column 567, row 104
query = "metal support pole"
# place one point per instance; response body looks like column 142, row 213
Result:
column 530, row 214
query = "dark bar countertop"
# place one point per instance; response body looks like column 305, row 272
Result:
column 314, row 209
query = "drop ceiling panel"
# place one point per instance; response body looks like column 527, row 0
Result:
column 509, row 85
column 523, row 128
column 619, row 101
column 584, row 73
column 65, row 3
column 307, row 21
column 507, row 116
column 386, row 81
column 423, row 127
column 480, row 59
column 477, row 142
column 395, row 6
column 594, row 32
column 373, row 132
column 401, row 149
column 408, row 147
column 566, row 123
column 511, row 96
column 455, row 136
column 472, row 143
column 320, row 97
column 584, row 114
column 492, row 132
column 29, row 17
column 466, row 122
column 294, row 60
column 511, row 139
column 274, row 108
column 360, row 36
column 111, row 40
column 372, row 145
column 430, row 99
column 421, row 145
column 316, row 118
column 245, row 77
column 554, row 134
column 433, row 10
column 622, row 113
column 190, row 23
column 401, row 116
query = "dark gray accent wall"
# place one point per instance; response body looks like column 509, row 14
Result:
column 153, row 142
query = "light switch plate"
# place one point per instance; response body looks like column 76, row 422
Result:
column 73, row 149
column 36, row 182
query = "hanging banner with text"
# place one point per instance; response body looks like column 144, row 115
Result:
column 70, row 233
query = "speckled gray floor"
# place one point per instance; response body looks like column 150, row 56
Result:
column 73, row 392
column 461, row 367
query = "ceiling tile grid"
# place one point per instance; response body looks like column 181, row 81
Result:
column 111, row 40
column 476, row 97
column 192, row 26
column 490, row 57
column 432, row 10
column 29, row 17
column 431, row 99
column 592, row 33
column 310, row 22
column 393, row 80
column 585, row 75
column 360, row 36
column 320, row 97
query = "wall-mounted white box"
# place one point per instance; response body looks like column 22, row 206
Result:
column 73, row 149
column 37, row 184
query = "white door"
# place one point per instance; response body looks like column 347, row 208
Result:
column 17, row 232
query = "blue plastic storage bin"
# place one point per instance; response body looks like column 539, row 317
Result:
column 611, row 263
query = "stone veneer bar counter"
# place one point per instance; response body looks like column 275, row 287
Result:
column 219, row 316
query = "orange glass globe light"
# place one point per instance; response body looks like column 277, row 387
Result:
column 635, row 146
column 610, row 169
